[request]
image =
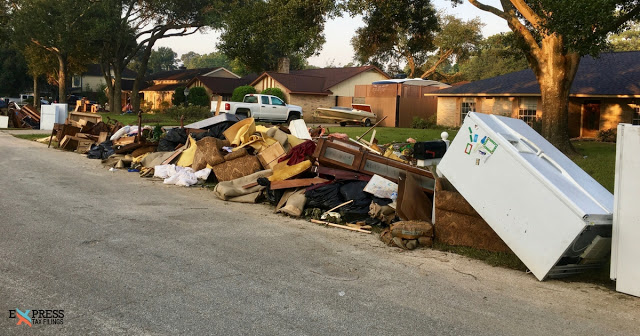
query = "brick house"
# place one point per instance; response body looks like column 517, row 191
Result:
column 313, row 88
column 605, row 92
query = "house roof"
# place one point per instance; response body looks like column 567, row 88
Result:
column 127, row 84
column 221, row 86
column 316, row 81
column 163, row 87
column 95, row 70
column 180, row 74
column 610, row 74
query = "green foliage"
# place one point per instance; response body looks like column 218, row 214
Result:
column 162, row 59
column 101, row 95
column 192, row 60
column 164, row 105
column 275, row 92
column 198, row 96
column 607, row 135
column 146, row 106
column 257, row 33
column 178, row 96
column 628, row 40
column 192, row 113
column 13, row 71
column 396, row 30
column 429, row 123
column 241, row 91
column 498, row 55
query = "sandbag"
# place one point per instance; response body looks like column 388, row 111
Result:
column 411, row 229
column 230, row 189
column 295, row 204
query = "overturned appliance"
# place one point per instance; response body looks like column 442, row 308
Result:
column 553, row 215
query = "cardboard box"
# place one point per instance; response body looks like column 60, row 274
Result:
column 269, row 156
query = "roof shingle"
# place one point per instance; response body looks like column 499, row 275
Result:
column 614, row 73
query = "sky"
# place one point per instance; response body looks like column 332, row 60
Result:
column 338, row 32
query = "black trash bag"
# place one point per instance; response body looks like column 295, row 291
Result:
column 381, row 201
column 101, row 151
column 324, row 197
column 359, row 208
column 273, row 196
column 174, row 137
column 219, row 128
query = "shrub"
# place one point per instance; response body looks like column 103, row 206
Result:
column 241, row 91
column 191, row 113
column 178, row 96
column 198, row 96
column 608, row 135
column 164, row 106
column 421, row 123
column 275, row 92
column 146, row 106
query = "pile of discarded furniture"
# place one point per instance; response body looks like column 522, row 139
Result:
column 353, row 184
column 23, row 117
column 394, row 189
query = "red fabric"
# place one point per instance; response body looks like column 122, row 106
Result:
column 299, row 153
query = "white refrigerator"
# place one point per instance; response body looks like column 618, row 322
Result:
column 553, row 215
column 625, row 250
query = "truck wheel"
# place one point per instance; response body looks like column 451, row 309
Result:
column 343, row 124
column 293, row 117
column 242, row 114
column 367, row 122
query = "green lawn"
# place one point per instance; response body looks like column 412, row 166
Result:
column 390, row 134
column 147, row 119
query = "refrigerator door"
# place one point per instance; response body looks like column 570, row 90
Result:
column 625, row 251
column 534, row 197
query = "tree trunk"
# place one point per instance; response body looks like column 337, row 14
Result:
column 433, row 69
column 117, row 90
column 412, row 65
column 142, row 70
column 555, row 71
column 36, row 92
column 106, row 74
column 62, row 78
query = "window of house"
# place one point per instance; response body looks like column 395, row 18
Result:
column 527, row 110
column 76, row 82
column 636, row 115
column 468, row 105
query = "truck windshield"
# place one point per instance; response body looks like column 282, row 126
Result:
column 251, row 99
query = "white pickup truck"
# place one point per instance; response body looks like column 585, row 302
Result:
column 261, row 107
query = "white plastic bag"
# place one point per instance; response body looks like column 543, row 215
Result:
column 382, row 188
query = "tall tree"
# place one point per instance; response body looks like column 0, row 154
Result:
column 555, row 35
column 57, row 27
column 396, row 30
column 162, row 59
column 628, row 40
column 192, row 60
column 457, row 40
column 497, row 55
column 263, row 33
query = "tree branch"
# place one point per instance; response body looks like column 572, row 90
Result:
column 513, row 22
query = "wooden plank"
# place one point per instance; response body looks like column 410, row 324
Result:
column 338, row 226
column 295, row 183
column 174, row 156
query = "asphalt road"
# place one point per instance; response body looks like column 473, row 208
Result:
column 125, row 255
